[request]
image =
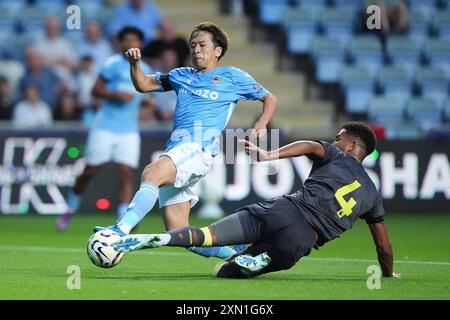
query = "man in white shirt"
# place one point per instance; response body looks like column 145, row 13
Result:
column 32, row 112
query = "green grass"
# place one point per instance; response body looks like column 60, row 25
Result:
column 34, row 259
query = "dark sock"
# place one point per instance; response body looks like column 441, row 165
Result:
column 186, row 237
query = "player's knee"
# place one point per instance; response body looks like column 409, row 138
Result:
column 150, row 175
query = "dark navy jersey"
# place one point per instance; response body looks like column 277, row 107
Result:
column 337, row 192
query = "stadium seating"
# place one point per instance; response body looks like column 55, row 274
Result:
column 447, row 110
column 433, row 84
column 386, row 110
column 441, row 23
column 404, row 71
column 300, row 27
column 53, row 7
column 329, row 55
column 271, row 12
column 425, row 112
column 366, row 51
column 427, row 7
column 336, row 23
column 396, row 83
column 358, row 89
column 353, row 7
column 404, row 52
column 13, row 7
column 437, row 52
column 419, row 27
column 314, row 7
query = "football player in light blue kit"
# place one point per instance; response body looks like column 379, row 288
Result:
column 207, row 96
column 114, row 134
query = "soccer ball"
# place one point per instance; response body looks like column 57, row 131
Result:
column 100, row 250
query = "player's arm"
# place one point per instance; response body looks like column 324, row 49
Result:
column 100, row 90
column 295, row 149
column 384, row 249
column 142, row 83
column 270, row 103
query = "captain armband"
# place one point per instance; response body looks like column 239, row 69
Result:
column 165, row 83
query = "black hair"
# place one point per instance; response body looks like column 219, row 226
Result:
column 364, row 133
column 130, row 30
column 219, row 36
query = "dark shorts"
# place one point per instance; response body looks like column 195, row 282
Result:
column 277, row 227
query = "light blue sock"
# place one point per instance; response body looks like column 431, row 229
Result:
column 142, row 203
column 73, row 201
column 219, row 252
column 122, row 210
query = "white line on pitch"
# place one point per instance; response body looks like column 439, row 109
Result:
column 165, row 253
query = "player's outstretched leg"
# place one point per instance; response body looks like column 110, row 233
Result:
column 143, row 202
column 228, row 231
column 144, row 241
column 161, row 172
column 184, row 237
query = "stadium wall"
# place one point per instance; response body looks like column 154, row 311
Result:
column 37, row 169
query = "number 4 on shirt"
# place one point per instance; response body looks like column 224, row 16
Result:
column 346, row 206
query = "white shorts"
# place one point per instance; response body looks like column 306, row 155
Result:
column 104, row 146
column 192, row 164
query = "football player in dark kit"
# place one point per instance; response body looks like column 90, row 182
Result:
column 280, row 231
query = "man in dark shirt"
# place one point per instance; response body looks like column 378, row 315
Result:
column 337, row 192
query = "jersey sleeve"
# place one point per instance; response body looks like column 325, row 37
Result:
column 376, row 215
column 169, row 81
column 246, row 86
column 331, row 152
column 107, row 72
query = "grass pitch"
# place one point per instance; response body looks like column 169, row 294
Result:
column 34, row 259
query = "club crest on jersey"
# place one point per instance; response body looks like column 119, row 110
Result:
column 216, row 80
column 257, row 88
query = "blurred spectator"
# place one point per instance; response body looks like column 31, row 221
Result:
column 394, row 15
column 166, row 101
column 147, row 111
column 144, row 15
column 95, row 46
column 66, row 107
column 32, row 112
column 6, row 99
column 58, row 52
column 168, row 39
column 13, row 71
column 47, row 80
column 86, row 78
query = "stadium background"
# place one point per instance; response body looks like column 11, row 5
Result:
column 317, row 57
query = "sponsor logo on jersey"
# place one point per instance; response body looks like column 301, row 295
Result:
column 209, row 94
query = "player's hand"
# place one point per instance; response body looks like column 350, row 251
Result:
column 133, row 55
column 259, row 130
column 255, row 152
column 123, row 96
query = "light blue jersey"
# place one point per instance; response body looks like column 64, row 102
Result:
column 205, row 102
column 117, row 116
